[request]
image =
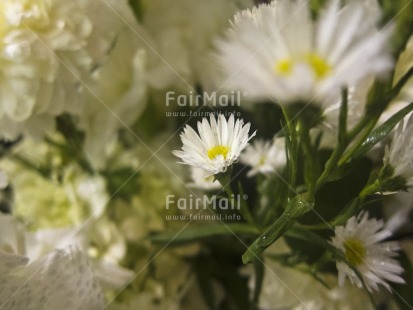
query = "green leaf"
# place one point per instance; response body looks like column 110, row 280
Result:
column 381, row 132
column 207, row 231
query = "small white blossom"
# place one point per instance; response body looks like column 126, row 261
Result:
column 201, row 182
column 360, row 242
column 217, row 145
column 265, row 157
column 277, row 51
column 399, row 154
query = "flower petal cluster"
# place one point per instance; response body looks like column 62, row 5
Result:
column 42, row 52
column 68, row 196
column 361, row 242
column 265, row 157
column 114, row 95
column 278, row 52
column 201, row 182
column 53, row 53
column 216, row 146
column 399, row 154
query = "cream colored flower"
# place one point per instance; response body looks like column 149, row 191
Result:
column 53, row 53
column 114, row 95
column 66, row 198
column 42, row 45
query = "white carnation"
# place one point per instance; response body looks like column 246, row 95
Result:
column 41, row 54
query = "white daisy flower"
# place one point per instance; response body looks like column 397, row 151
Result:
column 359, row 241
column 399, row 155
column 201, row 182
column 277, row 51
column 265, row 157
column 217, row 145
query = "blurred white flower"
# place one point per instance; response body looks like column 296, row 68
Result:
column 356, row 103
column 399, row 155
column 265, row 157
column 181, row 38
column 404, row 63
column 216, row 146
column 41, row 55
column 65, row 196
column 54, row 53
column 277, row 52
column 116, row 88
column 62, row 279
column 360, row 242
column 201, row 182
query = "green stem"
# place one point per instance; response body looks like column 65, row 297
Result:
column 297, row 206
column 369, row 126
column 310, row 160
column 342, row 142
column 225, row 180
column 292, row 148
column 369, row 190
column 30, row 165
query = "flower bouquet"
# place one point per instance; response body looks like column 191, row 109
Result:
column 206, row 154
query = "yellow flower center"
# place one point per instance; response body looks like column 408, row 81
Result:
column 354, row 251
column 319, row 66
column 218, row 150
column 284, row 67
